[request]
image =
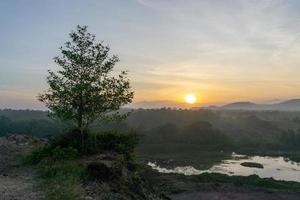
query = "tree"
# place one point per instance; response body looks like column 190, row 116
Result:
column 84, row 89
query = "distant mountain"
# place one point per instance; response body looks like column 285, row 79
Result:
column 240, row 105
column 156, row 104
column 289, row 105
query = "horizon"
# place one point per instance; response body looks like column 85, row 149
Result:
column 181, row 105
column 170, row 48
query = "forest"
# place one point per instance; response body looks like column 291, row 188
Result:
column 163, row 130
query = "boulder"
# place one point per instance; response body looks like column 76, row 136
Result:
column 252, row 164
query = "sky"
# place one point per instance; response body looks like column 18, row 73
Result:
column 220, row 51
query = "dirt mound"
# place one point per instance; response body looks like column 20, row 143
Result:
column 116, row 178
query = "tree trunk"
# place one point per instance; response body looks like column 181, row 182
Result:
column 80, row 123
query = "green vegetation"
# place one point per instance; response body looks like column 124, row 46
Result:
column 34, row 127
column 62, row 179
column 61, row 171
column 253, row 180
column 84, row 88
column 68, row 147
column 60, row 174
column 185, row 135
column 171, row 133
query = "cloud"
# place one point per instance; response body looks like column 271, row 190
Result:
column 145, row 2
column 169, row 46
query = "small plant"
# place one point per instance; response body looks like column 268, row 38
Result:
column 62, row 179
column 37, row 156
column 50, row 153
column 68, row 153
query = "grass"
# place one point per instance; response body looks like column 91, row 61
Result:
column 253, row 180
column 61, row 179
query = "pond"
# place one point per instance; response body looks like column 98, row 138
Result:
column 278, row 168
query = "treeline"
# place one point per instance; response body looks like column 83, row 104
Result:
column 18, row 115
column 220, row 130
column 199, row 133
column 203, row 134
column 34, row 127
column 290, row 140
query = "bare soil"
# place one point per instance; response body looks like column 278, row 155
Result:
column 16, row 183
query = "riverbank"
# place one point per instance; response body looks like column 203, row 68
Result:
column 224, row 187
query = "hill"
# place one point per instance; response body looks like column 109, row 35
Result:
column 289, row 105
column 240, row 105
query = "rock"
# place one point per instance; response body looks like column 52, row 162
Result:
column 252, row 165
column 88, row 198
column 22, row 141
column 19, row 139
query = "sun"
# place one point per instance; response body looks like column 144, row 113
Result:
column 190, row 98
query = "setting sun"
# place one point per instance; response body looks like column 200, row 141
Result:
column 190, row 98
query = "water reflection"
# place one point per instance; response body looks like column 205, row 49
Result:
column 278, row 168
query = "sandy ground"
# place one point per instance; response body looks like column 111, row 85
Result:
column 15, row 183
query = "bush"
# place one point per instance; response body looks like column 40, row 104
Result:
column 50, row 153
column 73, row 138
column 123, row 143
column 74, row 144
column 93, row 143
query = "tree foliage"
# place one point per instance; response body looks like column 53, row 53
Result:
column 85, row 88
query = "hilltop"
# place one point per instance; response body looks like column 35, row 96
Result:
column 289, row 105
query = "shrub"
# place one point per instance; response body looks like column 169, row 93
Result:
column 93, row 143
column 49, row 153
column 123, row 143
column 67, row 153
column 74, row 144
column 37, row 155
column 73, row 138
